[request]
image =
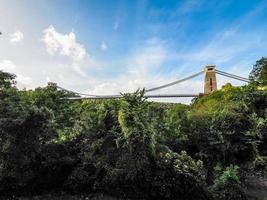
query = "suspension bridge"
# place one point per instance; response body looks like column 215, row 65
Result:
column 210, row 85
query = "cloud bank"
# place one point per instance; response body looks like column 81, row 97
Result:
column 16, row 37
column 64, row 44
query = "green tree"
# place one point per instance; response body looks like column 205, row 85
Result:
column 7, row 80
column 134, row 124
column 258, row 74
column 21, row 140
column 64, row 110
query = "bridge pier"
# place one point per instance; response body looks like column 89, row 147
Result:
column 210, row 82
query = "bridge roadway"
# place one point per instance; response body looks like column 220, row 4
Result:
column 145, row 96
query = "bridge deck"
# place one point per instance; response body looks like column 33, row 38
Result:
column 145, row 96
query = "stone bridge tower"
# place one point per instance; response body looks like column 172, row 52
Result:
column 210, row 82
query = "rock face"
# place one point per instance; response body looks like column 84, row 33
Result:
column 256, row 188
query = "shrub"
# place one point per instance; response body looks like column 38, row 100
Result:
column 227, row 185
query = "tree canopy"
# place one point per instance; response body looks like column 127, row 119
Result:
column 132, row 148
column 7, row 80
column 259, row 72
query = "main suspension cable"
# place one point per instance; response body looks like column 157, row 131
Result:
column 233, row 77
column 174, row 82
column 239, row 77
column 77, row 93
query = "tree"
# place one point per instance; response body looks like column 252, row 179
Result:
column 7, row 80
column 56, row 100
column 134, row 124
column 21, row 142
column 259, row 72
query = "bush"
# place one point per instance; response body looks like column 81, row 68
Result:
column 227, row 184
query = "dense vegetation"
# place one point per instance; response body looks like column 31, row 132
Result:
column 132, row 148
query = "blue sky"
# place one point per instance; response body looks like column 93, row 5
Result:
column 104, row 47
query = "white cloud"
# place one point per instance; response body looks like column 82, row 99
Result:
column 104, row 46
column 16, row 37
column 140, row 66
column 147, row 58
column 78, row 70
column 48, row 79
column 7, row 65
column 24, row 81
column 64, row 44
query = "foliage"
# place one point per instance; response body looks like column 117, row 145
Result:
column 7, row 80
column 187, row 165
column 131, row 148
column 227, row 185
column 120, row 157
column 65, row 111
column 134, row 124
column 259, row 73
column 21, row 143
column 228, row 175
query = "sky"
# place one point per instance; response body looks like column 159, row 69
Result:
column 106, row 47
